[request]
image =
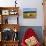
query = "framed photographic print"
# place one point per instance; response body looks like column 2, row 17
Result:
column 12, row 12
column 29, row 12
column 5, row 12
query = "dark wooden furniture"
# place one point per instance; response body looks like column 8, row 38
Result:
column 10, row 43
column 5, row 12
column 0, row 43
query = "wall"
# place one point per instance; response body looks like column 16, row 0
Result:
column 27, row 4
column 32, row 4
column 6, row 3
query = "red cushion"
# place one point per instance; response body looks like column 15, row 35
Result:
column 29, row 33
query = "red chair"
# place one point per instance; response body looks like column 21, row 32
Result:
column 29, row 33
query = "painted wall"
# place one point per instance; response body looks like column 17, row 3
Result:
column 32, row 4
column 27, row 4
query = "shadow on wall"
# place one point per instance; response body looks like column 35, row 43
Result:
column 37, row 29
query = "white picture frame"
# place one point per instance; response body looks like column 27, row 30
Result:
column 5, row 12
